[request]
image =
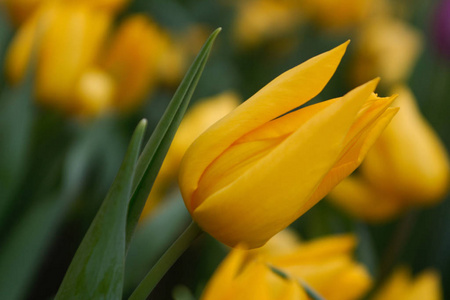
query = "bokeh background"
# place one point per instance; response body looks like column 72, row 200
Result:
column 66, row 117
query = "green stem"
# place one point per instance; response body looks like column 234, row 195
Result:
column 165, row 262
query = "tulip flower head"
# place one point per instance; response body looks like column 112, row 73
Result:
column 263, row 165
column 324, row 264
column 401, row 285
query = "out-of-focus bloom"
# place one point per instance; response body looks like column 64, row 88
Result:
column 132, row 60
column 401, row 285
column 441, row 28
column 69, row 38
column 359, row 198
column 21, row 10
column 386, row 47
column 325, row 264
column 408, row 165
column 94, row 92
column 332, row 14
column 240, row 279
column 262, row 166
column 258, row 20
column 198, row 119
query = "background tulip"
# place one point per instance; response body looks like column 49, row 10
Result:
column 252, row 174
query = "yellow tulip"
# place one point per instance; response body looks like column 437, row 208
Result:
column 260, row 167
column 132, row 60
column 202, row 115
column 70, row 36
column 21, row 10
column 94, row 93
column 409, row 160
column 388, row 48
column 401, row 285
column 258, row 20
column 359, row 198
column 337, row 14
column 240, row 279
column 325, row 264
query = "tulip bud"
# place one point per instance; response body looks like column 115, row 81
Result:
column 441, row 28
column 132, row 60
column 409, row 161
column 263, row 165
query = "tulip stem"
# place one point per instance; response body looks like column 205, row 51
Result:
column 165, row 262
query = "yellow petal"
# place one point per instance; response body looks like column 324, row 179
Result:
column 352, row 158
column 426, row 286
column 409, row 160
column 288, row 91
column 396, row 286
column 265, row 193
column 316, row 250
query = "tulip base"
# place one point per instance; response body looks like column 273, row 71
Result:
column 166, row 261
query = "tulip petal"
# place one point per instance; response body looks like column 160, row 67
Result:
column 317, row 250
column 352, row 158
column 286, row 92
column 272, row 200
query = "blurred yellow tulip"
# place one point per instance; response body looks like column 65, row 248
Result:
column 333, row 14
column 258, row 20
column 263, row 165
column 132, row 60
column 388, row 48
column 69, row 38
column 21, row 10
column 407, row 166
column 401, row 285
column 238, row 278
column 409, row 159
column 325, row 264
column 202, row 115
column 94, row 93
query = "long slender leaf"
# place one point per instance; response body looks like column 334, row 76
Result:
column 153, row 237
column 154, row 152
column 96, row 271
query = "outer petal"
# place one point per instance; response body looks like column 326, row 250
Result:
column 272, row 193
column 426, row 286
column 352, row 158
column 286, row 92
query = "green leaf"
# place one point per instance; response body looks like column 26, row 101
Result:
column 16, row 119
column 156, row 149
column 96, row 271
column 153, row 236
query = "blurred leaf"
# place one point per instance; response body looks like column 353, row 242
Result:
column 16, row 118
column 153, row 237
column 155, row 151
column 96, row 271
